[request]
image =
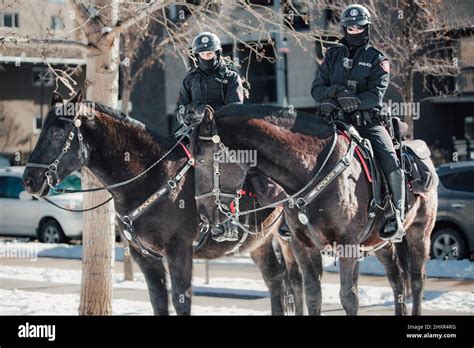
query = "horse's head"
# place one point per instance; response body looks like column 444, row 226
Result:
column 57, row 153
column 218, row 179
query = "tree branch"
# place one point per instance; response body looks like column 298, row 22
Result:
column 153, row 6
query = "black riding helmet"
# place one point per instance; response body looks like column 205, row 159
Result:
column 203, row 42
column 356, row 15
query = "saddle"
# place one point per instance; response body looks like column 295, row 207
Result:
column 420, row 174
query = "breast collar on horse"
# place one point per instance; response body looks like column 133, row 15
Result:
column 127, row 219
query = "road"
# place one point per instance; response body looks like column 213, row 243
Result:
column 230, row 270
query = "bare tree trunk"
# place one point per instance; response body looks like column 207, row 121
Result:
column 99, row 236
column 407, row 95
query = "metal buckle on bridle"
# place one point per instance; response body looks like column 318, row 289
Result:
column 127, row 231
column 300, row 203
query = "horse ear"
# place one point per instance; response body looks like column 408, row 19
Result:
column 56, row 98
column 209, row 113
column 77, row 98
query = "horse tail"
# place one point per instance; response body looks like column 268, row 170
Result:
column 403, row 261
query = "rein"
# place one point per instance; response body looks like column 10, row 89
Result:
column 52, row 168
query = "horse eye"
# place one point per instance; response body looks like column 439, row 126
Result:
column 58, row 133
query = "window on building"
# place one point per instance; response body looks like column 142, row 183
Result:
column 261, row 73
column 8, row 19
column 57, row 23
column 469, row 127
column 42, row 76
column 259, row 2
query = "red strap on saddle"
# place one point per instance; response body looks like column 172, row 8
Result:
column 361, row 158
column 243, row 193
column 247, row 193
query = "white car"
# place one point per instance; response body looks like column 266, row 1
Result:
column 23, row 215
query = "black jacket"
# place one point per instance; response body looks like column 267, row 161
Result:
column 368, row 77
column 217, row 88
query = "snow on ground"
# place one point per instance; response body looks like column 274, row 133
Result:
column 18, row 302
column 461, row 301
column 455, row 269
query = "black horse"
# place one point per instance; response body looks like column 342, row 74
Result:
column 291, row 149
column 167, row 228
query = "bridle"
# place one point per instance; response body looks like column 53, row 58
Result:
column 216, row 191
column 52, row 176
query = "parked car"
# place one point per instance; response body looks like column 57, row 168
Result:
column 453, row 235
column 4, row 162
column 23, row 215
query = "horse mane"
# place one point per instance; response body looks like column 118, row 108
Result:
column 284, row 117
column 123, row 117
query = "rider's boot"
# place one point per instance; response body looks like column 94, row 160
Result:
column 284, row 231
column 393, row 229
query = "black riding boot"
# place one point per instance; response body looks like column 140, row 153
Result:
column 284, row 231
column 393, row 229
column 226, row 232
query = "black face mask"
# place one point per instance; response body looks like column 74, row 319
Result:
column 208, row 64
column 357, row 39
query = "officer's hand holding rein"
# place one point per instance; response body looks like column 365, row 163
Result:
column 347, row 100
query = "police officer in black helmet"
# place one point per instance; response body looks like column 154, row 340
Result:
column 353, row 77
column 212, row 83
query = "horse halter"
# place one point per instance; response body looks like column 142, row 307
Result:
column 220, row 148
column 52, row 168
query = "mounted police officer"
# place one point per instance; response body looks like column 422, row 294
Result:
column 212, row 83
column 353, row 78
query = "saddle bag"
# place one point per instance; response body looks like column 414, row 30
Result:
column 419, row 168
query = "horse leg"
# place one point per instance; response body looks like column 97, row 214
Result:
column 155, row 276
column 418, row 249
column 264, row 257
column 311, row 272
column 294, row 276
column 396, row 279
column 349, row 295
column 180, row 263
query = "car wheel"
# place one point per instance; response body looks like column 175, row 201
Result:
column 51, row 232
column 448, row 244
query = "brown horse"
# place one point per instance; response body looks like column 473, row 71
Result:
column 167, row 228
column 291, row 149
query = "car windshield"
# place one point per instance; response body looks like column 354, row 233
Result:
column 72, row 182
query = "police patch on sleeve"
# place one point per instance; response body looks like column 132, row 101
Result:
column 385, row 65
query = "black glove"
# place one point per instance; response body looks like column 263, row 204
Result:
column 334, row 89
column 347, row 100
column 328, row 106
column 192, row 114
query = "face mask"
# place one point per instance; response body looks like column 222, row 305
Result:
column 207, row 64
column 357, row 39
